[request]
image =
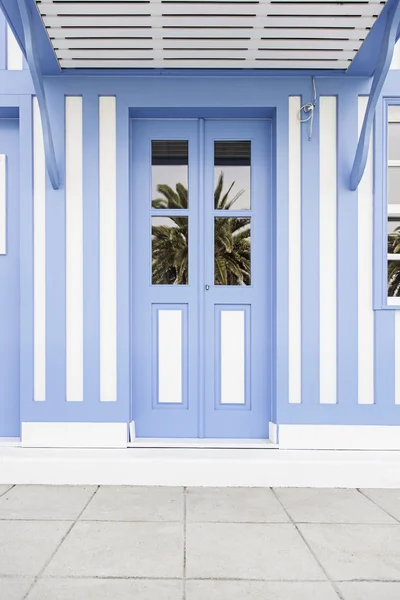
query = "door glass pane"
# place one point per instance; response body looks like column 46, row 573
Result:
column 169, row 174
column 394, row 141
column 170, row 243
column 232, row 166
column 232, row 251
column 394, row 185
column 394, row 278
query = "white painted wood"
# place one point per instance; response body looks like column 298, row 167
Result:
column 327, row 248
column 233, row 357
column 39, row 258
column 170, row 356
column 339, row 437
column 74, row 435
column 355, row 34
column 200, row 467
column 203, row 64
column 3, row 204
column 14, row 54
column 74, row 248
column 395, row 64
column 365, row 248
column 273, row 432
column 397, row 356
column 200, row 443
column 294, row 239
column 108, row 248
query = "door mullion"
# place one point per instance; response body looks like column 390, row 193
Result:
column 202, row 275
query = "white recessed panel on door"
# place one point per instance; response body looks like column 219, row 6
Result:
column 169, row 356
column 233, row 357
column 3, row 209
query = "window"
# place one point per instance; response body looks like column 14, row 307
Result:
column 393, row 195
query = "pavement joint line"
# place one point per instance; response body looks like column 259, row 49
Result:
column 228, row 579
column 378, row 505
column 64, row 537
column 333, row 584
column 160, row 521
column 7, row 490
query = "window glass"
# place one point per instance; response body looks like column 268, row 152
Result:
column 394, row 141
column 232, row 168
column 394, row 185
column 170, row 250
column 394, row 278
column 169, row 174
column 232, row 251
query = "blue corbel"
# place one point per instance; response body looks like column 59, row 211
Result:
column 381, row 71
column 37, row 78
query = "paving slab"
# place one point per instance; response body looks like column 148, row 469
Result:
column 349, row 552
column 14, row 588
column 44, row 502
column 4, row 488
column 100, row 549
column 248, row 551
column 310, row 505
column 388, row 500
column 125, row 503
column 26, row 546
column 234, row 505
column 106, row 589
column 258, row 590
column 370, row 590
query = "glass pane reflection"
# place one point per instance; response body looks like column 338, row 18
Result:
column 232, row 166
column 170, row 243
column 232, row 251
column 169, row 173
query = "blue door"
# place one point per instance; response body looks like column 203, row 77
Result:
column 201, row 278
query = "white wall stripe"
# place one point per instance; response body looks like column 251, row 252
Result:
column 294, row 251
column 395, row 64
column 39, row 258
column 327, row 252
column 397, row 357
column 74, row 247
column 14, row 54
column 108, row 248
column 365, row 241
column 3, row 205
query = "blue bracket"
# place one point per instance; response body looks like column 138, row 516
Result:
column 37, row 78
column 381, row 71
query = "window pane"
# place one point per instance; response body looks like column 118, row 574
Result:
column 394, row 112
column 394, row 185
column 232, row 165
column 394, row 141
column 169, row 173
column 170, row 243
column 232, row 251
column 393, row 278
column 393, row 235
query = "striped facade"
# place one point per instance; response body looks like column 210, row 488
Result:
column 336, row 359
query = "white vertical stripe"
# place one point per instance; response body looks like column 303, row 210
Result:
column 3, row 205
column 39, row 258
column 14, row 54
column 108, row 248
column 74, row 247
column 395, row 64
column 232, row 357
column 327, row 248
column 397, row 357
column 294, row 238
column 365, row 312
column 170, row 356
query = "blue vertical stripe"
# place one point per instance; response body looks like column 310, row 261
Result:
column 384, row 359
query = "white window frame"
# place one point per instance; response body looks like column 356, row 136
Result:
column 393, row 210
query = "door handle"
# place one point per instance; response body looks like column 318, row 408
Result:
column 207, row 287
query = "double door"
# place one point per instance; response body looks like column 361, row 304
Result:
column 201, row 278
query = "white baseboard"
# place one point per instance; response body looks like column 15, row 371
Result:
column 339, row 437
column 273, row 432
column 74, row 435
column 200, row 467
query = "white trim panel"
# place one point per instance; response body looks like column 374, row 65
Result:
column 170, row 356
column 294, row 251
column 39, row 258
column 3, row 204
column 233, row 357
column 74, row 247
column 108, row 248
column 327, row 250
column 365, row 311
column 14, row 54
column 339, row 437
column 74, row 435
column 397, row 356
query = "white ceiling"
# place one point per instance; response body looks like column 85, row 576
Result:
column 266, row 34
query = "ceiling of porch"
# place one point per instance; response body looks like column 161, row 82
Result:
column 267, row 34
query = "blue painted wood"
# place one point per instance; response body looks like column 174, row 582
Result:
column 37, row 78
column 384, row 360
column 3, row 42
column 382, row 68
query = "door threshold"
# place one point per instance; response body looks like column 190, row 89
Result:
column 200, row 443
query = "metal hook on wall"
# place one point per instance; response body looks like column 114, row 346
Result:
column 308, row 110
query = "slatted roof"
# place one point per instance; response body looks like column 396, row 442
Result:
column 266, row 34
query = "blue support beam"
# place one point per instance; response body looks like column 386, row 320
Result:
column 37, row 78
column 381, row 71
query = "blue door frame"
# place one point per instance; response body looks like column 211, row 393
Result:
column 201, row 304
